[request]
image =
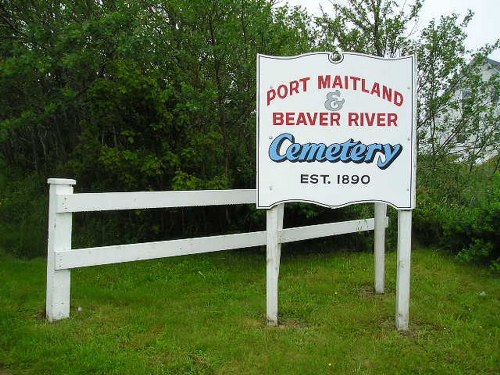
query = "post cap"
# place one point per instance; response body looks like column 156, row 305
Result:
column 61, row 181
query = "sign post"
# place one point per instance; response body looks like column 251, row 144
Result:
column 379, row 246
column 334, row 133
column 273, row 255
column 403, row 275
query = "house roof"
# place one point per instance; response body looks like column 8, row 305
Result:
column 494, row 64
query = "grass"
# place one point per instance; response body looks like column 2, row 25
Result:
column 205, row 314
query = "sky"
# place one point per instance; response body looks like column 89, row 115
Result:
column 483, row 28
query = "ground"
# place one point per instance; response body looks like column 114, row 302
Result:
column 205, row 314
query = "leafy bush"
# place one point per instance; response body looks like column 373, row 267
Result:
column 458, row 209
column 480, row 234
column 23, row 216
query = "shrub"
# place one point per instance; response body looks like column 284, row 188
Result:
column 23, row 216
column 480, row 234
column 458, row 209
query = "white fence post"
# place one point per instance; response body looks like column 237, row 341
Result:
column 58, row 281
column 403, row 272
column 274, row 225
column 379, row 246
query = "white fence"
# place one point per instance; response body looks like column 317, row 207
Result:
column 61, row 258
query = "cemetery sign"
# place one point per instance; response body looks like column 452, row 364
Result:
column 336, row 132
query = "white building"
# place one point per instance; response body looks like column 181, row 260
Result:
column 477, row 137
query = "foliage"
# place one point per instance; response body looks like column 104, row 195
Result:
column 454, row 205
column 159, row 95
column 377, row 27
column 450, row 124
column 147, row 94
column 23, row 214
column 456, row 195
column 458, row 209
column 137, row 95
column 479, row 235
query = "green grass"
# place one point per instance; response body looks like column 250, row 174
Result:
column 205, row 314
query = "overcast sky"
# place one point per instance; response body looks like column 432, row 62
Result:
column 484, row 27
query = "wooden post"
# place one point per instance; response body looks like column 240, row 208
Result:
column 403, row 273
column 58, row 282
column 379, row 246
column 274, row 225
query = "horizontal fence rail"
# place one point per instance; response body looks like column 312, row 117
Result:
column 86, row 202
column 62, row 258
column 153, row 250
column 93, row 256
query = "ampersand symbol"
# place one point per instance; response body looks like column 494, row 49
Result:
column 333, row 103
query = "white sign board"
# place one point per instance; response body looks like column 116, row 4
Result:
column 336, row 132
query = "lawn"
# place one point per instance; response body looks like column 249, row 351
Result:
column 205, row 314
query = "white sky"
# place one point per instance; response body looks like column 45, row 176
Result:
column 483, row 28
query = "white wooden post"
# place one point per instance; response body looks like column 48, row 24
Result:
column 403, row 273
column 274, row 225
column 58, row 282
column 379, row 246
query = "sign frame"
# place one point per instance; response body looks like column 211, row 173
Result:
column 407, row 130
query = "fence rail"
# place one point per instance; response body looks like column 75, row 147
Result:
column 86, row 202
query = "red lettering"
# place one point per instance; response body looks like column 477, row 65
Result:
column 363, row 86
column 392, row 118
column 277, row 118
column 271, row 94
column 370, row 118
column 376, row 89
column 398, row 98
column 312, row 119
column 353, row 119
column 381, row 119
column 323, row 118
column 387, row 93
column 304, row 83
column 334, row 118
column 324, row 82
column 301, row 119
column 337, row 82
column 294, row 87
column 355, row 81
column 366, row 119
column 282, row 91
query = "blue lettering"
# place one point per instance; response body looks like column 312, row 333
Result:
column 391, row 153
column 372, row 151
column 346, row 152
column 358, row 153
column 313, row 152
column 276, row 146
column 333, row 152
column 293, row 152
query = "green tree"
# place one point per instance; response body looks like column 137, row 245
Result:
column 376, row 27
column 134, row 95
column 455, row 131
column 450, row 124
column 154, row 94
column 447, row 127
